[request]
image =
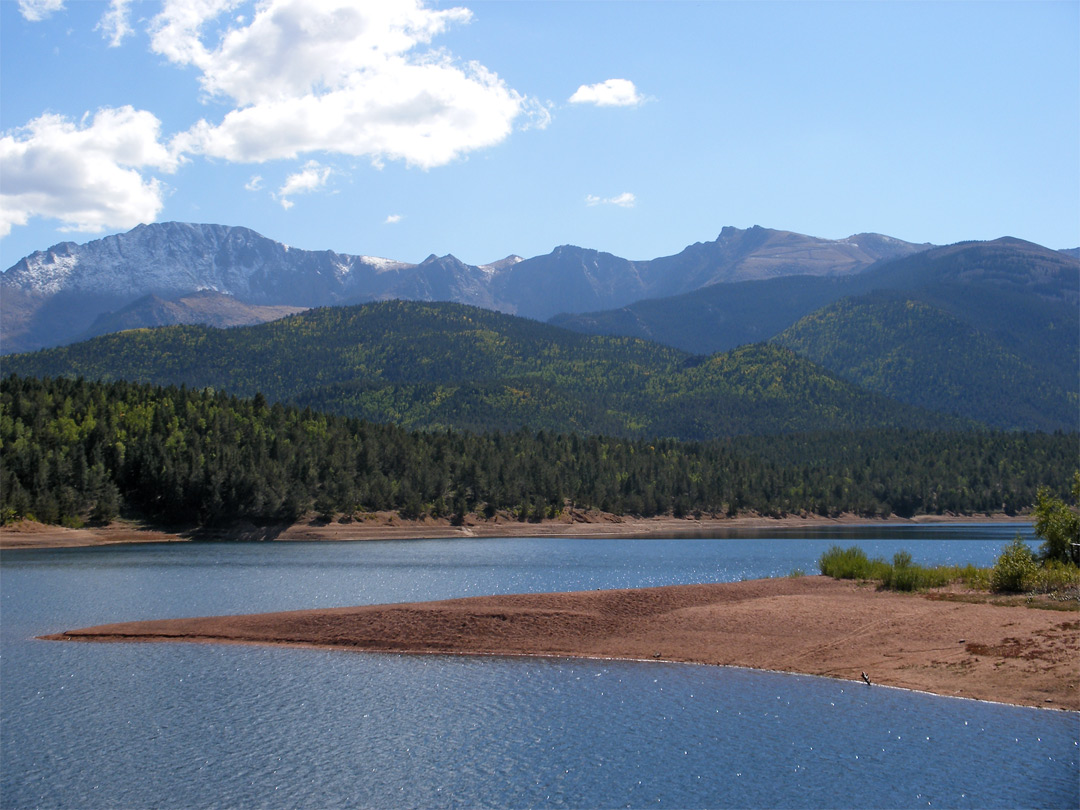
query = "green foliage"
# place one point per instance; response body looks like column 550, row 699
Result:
column 902, row 575
column 1058, row 525
column 914, row 352
column 72, row 450
column 1060, row 578
column 850, row 563
column 1015, row 569
column 435, row 366
column 985, row 330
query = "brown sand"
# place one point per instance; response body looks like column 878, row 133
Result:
column 28, row 534
column 812, row 625
column 389, row 526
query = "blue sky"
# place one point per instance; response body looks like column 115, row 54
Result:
column 401, row 128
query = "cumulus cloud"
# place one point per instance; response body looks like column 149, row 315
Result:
column 255, row 183
column 612, row 93
column 36, row 10
column 311, row 177
column 114, row 24
column 391, row 219
column 336, row 76
column 90, row 176
column 624, row 200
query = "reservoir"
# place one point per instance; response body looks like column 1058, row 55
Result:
column 188, row 725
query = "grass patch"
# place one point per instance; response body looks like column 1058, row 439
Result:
column 1014, row 572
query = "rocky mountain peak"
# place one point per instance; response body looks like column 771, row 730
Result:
column 52, row 296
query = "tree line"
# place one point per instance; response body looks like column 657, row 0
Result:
column 72, row 451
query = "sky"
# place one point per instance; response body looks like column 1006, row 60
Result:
column 402, row 128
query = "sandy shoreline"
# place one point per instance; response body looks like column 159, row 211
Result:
column 810, row 625
column 388, row 526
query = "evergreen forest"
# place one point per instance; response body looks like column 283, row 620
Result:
column 73, row 450
column 439, row 365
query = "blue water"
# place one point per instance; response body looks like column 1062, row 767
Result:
column 175, row 725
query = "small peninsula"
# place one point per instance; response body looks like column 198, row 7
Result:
column 952, row 644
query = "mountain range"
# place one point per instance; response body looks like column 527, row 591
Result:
column 758, row 331
column 443, row 365
column 147, row 277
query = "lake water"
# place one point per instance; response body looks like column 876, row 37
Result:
column 185, row 726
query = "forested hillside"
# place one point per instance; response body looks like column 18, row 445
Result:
column 439, row 365
column 917, row 353
column 999, row 340
column 72, row 450
column 716, row 318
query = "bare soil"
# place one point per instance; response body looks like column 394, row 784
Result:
column 811, row 625
column 390, row 526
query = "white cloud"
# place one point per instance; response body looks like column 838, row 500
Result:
column 37, row 10
column 255, row 183
column 624, row 200
column 311, row 177
column 340, row 77
column 88, row 176
column 612, row 93
column 114, row 23
column 391, row 219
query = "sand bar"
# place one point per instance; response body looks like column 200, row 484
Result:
column 811, row 625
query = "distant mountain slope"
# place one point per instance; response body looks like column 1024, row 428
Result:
column 53, row 296
column 760, row 253
column 914, row 352
column 1023, row 296
column 573, row 279
column 990, row 330
column 209, row 308
column 1005, row 272
column 447, row 365
column 715, row 318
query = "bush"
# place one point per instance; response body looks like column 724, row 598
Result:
column 851, row 563
column 902, row 578
column 1015, row 569
column 1060, row 578
column 902, row 575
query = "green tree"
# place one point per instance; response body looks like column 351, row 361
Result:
column 1058, row 524
column 1015, row 567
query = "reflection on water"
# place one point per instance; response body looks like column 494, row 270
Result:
column 141, row 725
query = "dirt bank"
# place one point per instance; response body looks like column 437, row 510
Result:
column 811, row 625
column 389, row 526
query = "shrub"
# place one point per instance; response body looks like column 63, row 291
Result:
column 902, row 578
column 1060, row 578
column 851, row 563
column 1014, row 569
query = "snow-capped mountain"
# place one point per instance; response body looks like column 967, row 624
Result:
column 57, row 295
column 173, row 258
column 54, row 296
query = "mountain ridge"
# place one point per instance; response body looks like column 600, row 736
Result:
column 54, row 295
column 441, row 365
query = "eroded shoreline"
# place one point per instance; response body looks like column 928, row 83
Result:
column 808, row 625
column 388, row 526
